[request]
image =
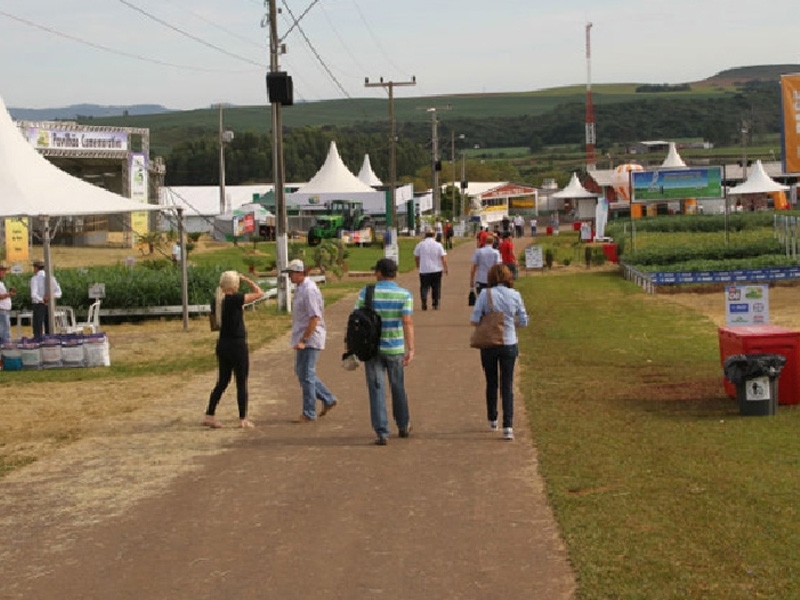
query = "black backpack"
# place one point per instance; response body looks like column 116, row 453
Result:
column 363, row 335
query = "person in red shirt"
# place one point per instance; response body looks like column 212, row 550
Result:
column 482, row 236
column 507, row 254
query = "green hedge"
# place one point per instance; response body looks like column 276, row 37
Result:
column 151, row 283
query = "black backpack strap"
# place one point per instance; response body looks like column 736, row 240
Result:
column 368, row 296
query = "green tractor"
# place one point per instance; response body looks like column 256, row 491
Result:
column 342, row 215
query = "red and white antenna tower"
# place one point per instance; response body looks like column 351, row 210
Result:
column 591, row 138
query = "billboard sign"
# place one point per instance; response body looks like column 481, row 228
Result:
column 790, row 94
column 747, row 305
column 77, row 141
column 676, row 184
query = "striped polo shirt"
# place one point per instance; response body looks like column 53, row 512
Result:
column 392, row 303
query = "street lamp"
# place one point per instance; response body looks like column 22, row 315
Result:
column 225, row 137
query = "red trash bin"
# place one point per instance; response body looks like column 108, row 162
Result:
column 576, row 226
column 765, row 339
column 549, row 230
column 610, row 250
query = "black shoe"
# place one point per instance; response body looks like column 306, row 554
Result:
column 424, row 306
column 404, row 432
column 435, row 307
column 382, row 440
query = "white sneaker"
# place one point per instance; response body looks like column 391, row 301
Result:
column 508, row 433
column 493, row 425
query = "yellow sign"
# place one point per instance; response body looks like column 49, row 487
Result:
column 17, row 240
column 139, row 225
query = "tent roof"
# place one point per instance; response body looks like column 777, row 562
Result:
column 32, row 186
column 758, row 182
column 367, row 175
column 673, row 160
column 574, row 190
column 334, row 177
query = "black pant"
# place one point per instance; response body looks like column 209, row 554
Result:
column 433, row 282
column 500, row 358
column 41, row 321
column 232, row 358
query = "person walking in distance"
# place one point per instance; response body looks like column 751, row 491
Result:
column 482, row 259
column 533, row 226
column 5, row 305
column 395, row 306
column 501, row 297
column 40, row 299
column 448, row 235
column 507, row 254
column 431, row 259
column 233, row 356
column 308, row 340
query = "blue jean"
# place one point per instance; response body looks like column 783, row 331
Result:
column 305, row 367
column 5, row 327
column 500, row 358
column 391, row 365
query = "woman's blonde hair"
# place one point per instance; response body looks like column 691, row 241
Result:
column 500, row 275
column 228, row 283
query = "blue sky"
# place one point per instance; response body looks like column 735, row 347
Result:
column 449, row 46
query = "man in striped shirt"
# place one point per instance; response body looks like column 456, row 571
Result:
column 395, row 305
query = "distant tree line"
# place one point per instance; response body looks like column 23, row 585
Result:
column 248, row 157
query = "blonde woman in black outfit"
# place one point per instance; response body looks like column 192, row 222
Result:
column 232, row 354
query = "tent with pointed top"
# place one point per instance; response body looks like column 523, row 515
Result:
column 673, row 159
column 758, row 182
column 367, row 175
column 31, row 186
column 334, row 181
column 588, row 205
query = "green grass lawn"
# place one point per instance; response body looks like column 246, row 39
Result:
column 661, row 489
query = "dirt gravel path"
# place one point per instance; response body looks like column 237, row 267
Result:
column 155, row 506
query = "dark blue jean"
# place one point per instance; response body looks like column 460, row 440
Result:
column 500, row 360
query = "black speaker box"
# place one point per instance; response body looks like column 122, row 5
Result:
column 279, row 88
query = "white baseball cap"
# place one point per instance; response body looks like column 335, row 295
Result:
column 295, row 266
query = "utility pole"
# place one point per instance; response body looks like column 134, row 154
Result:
column 279, row 88
column 461, row 136
column 435, row 163
column 390, row 247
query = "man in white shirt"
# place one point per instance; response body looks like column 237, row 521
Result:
column 431, row 259
column 5, row 306
column 40, row 300
column 519, row 226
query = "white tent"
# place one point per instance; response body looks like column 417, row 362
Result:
column 574, row 190
column 31, row 186
column 758, row 182
column 367, row 175
column 334, row 181
column 673, row 160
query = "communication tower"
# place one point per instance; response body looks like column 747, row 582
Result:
column 591, row 138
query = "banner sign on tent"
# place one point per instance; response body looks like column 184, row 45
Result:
column 17, row 240
column 138, row 187
column 790, row 92
column 244, row 224
column 676, row 184
column 57, row 139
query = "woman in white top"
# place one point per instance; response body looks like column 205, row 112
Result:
column 507, row 300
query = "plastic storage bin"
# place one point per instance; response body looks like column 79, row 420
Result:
column 765, row 339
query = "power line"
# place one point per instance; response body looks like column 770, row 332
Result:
column 189, row 35
column 314, row 50
column 110, row 50
column 218, row 26
column 375, row 38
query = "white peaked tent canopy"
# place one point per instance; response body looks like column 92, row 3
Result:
column 334, row 176
column 574, row 190
column 367, row 175
column 31, row 186
column 758, row 182
column 673, row 160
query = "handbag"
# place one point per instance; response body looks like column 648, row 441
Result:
column 471, row 298
column 212, row 321
column 489, row 332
